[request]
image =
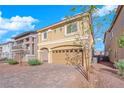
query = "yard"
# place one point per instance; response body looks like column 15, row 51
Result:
column 57, row 76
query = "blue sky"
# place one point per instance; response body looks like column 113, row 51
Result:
column 18, row 19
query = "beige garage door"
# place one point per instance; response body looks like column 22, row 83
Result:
column 67, row 56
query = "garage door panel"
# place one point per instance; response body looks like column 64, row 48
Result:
column 66, row 56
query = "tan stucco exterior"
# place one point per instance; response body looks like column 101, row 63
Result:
column 112, row 36
column 58, row 39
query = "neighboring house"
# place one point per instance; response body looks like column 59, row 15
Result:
column 56, row 42
column 97, row 53
column 6, row 50
column 25, row 46
column 0, row 51
column 112, row 36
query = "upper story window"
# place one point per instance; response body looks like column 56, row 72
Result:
column 44, row 35
column 33, row 39
column 55, row 30
column 27, row 39
column 71, row 28
column 58, row 29
column 111, row 35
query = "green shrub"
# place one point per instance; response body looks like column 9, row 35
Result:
column 120, row 66
column 121, row 41
column 34, row 62
column 11, row 61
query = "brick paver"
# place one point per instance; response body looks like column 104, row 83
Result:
column 46, row 75
column 58, row 76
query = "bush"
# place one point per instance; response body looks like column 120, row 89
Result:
column 11, row 61
column 120, row 66
column 34, row 62
column 121, row 41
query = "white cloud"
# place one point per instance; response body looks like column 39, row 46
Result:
column 98, row 39
column 2, row 32
column 105, row 10
column 16, row 23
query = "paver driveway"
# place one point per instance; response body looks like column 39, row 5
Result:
column 46, row 75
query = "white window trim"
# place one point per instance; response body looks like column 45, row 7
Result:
column 72, row 33
column 43, row 39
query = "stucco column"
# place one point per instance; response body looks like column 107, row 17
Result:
column 50, row 56
column 39, row 55
column 30, row 44
column 35, row 46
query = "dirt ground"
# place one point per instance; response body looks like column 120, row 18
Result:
column 107, row 75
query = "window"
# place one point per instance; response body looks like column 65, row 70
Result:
column 44, row 35
column 27, row 39
column 71, row 50
column 71, row 28
column 55, row 30
column 59, row 51
column 58, row 29
column 27, row 46
column 111, row 35
column 61, row 29
column 32, row 38
column 33, row 49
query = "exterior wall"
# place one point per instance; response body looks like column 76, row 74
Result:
column 31, row 49
column 0, row 51
column 60, row 36
column 107, row 43
column 59, row 40
column 116, row 53
column 6, row 50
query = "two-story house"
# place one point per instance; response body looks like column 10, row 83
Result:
column 0, row 51
column 56, row 43
column 112, row 36
column 25, row 46
column 6, row 50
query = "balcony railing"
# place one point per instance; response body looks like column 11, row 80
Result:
column 18, row 47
